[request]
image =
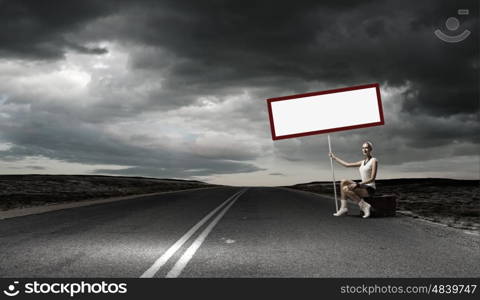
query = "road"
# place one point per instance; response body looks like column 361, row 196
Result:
column 258, row 232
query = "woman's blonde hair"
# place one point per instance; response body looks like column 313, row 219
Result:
column 370, row 144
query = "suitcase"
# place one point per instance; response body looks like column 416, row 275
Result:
column 382, row 205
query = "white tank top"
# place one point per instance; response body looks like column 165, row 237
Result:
column 366, row 171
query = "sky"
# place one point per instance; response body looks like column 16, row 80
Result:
column 178, row 89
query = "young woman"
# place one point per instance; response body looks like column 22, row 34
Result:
column 356, row 191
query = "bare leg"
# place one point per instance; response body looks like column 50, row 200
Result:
column 344, row 183
column 343, row 201
column 351, row 194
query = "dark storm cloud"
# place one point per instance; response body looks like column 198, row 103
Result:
column 41, row 29
column 216, row 48
column 266, row 43
column 85, row 49
column 221, row 46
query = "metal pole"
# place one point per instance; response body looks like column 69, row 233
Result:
column 333, row 174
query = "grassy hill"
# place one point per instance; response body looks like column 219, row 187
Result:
column 18, row 191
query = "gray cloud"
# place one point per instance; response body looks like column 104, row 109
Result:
column 47, row 134
column 35, row 167
column 216, row 168
column 40, row 30
column 226, row 45
column 220, row 47
column 186, row 56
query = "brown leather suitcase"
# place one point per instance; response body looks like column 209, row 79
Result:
column 382, row 205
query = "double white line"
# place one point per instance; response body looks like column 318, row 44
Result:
column 188, row 254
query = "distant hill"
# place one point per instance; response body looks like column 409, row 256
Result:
column 413, row 180
column 35, row 189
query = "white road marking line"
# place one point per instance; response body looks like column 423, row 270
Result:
column 187, row 256
column 171, row 251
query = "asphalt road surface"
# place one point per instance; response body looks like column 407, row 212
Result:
column 230, row 232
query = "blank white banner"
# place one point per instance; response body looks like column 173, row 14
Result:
column 327, row 111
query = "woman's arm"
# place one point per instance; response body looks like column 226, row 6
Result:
column 344, row 163
column 374, row 173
